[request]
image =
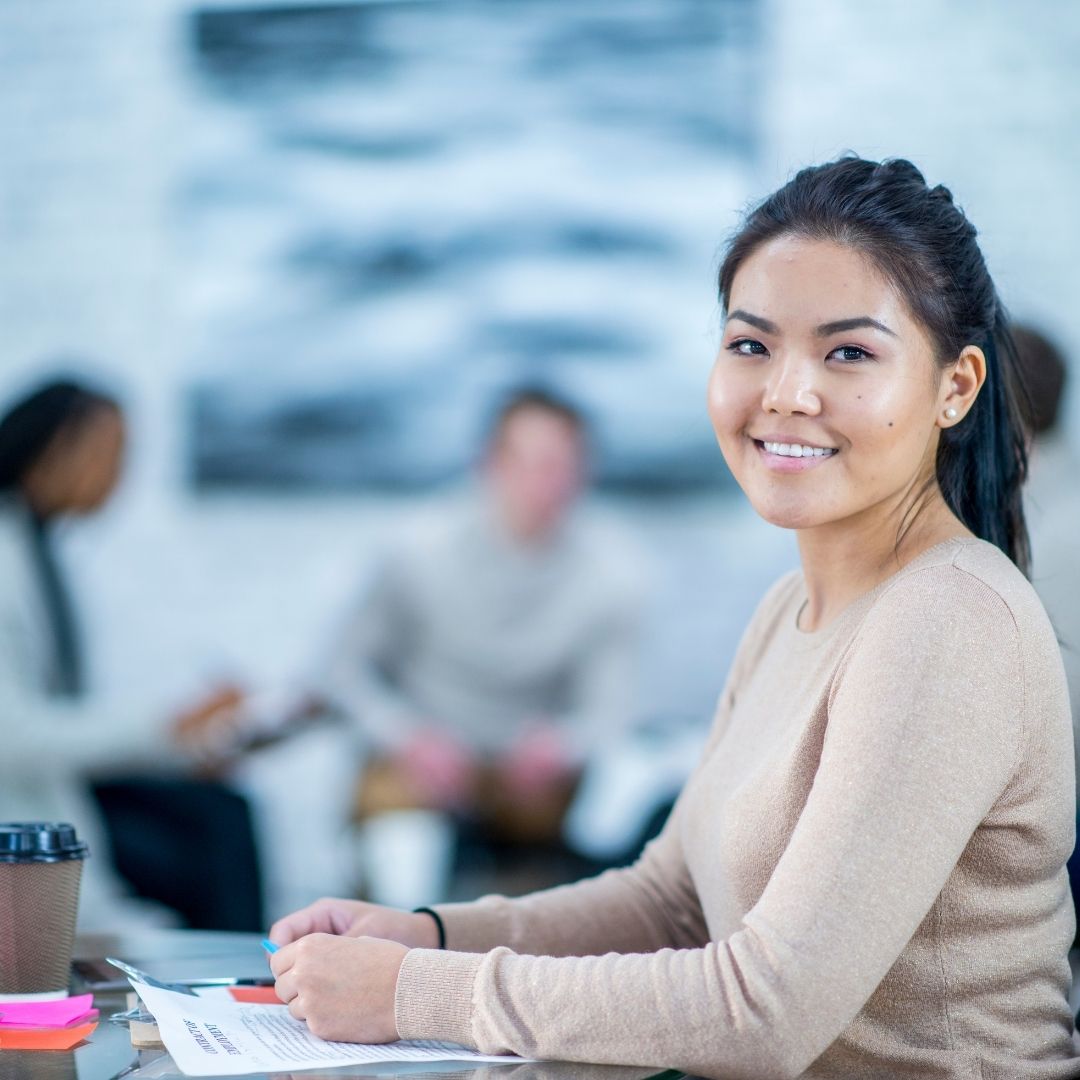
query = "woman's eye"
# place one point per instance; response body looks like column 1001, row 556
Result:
column 747, row 347
column 849, row 354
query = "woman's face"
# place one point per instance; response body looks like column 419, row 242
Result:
column 94, row 459
column 825, row 396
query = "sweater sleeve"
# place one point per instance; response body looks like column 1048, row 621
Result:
column 924, row 732
column 602, row 684
column 641, row 908
column 645, row 907
column 359, row 677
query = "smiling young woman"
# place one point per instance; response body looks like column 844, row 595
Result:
column 865, row 876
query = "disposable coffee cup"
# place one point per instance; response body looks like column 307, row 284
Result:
column 406, row 857
column 40, row 870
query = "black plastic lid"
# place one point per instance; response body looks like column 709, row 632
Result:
column 39, row 841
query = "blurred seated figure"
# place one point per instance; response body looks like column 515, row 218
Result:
column 183, row 842
column 1052, row 501
column 1052, row 506
column 490, row 658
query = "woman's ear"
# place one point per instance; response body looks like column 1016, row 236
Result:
column 961, row 385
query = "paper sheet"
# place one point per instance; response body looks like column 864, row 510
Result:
column 217, row 1037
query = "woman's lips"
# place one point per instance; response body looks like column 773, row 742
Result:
column 788, row 463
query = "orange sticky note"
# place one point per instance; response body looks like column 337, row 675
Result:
column 255, row 995
column 44, row 1038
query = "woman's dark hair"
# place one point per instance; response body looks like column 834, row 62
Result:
column 31, row 424
column 921, row 242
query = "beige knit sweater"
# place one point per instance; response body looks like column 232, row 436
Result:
column 864, row 877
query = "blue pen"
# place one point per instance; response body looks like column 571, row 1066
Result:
column 269, row 946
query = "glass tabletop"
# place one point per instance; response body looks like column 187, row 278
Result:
column 180, row 954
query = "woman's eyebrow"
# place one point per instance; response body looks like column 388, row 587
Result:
column 861, row 322
column 754, row 320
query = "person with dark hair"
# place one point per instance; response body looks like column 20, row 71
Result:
column 1052, row 502
column 490, row 657
column 61, row 451
column 865, row 876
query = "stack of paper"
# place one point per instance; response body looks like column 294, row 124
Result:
column 46, row 1025
column 217, row 1035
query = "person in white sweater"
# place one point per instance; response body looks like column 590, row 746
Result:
column 865, row 876
column 1052, row 501
column 61, row 452
column 1052, row 505
column 494, row 653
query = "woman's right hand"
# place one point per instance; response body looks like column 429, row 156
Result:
column 356, row 918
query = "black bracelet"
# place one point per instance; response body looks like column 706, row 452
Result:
column 438, row 923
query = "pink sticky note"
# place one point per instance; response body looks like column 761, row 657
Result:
column 46, row 1013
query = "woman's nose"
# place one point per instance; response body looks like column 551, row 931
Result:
column 791, row 387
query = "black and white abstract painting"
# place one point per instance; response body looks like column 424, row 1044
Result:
column 394, row 212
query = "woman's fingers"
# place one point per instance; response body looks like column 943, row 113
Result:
column 287, row 929
column 351, row 918
column 343, row 987
column 285, row 986
column 325, row 916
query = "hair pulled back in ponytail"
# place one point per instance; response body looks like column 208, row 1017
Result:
column 922, row 242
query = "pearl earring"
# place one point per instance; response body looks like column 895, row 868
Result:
column 950, row 413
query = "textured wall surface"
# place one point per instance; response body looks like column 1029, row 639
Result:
column 100, row 124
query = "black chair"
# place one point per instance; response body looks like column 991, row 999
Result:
column 188, row 844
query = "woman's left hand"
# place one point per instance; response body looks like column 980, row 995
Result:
column 342, row 986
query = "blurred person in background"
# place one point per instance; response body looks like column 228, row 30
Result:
column 1052, row 499
column 491, row 657
column 179, row 841
column 1052, row 503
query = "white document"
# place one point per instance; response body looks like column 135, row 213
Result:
column 219, row 1037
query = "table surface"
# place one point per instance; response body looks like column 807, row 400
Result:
column 109, row 1055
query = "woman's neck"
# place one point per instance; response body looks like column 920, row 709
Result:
column 843, row 560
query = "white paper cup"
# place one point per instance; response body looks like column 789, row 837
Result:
column 405, row 857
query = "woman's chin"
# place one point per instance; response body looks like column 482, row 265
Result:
column 785, row 516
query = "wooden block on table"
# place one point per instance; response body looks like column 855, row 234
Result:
column 145, row 1036
column 144, row 1033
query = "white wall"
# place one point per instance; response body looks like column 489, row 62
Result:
column 96, row 115
column 982, row 95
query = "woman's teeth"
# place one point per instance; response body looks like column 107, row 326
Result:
column 797, row 450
